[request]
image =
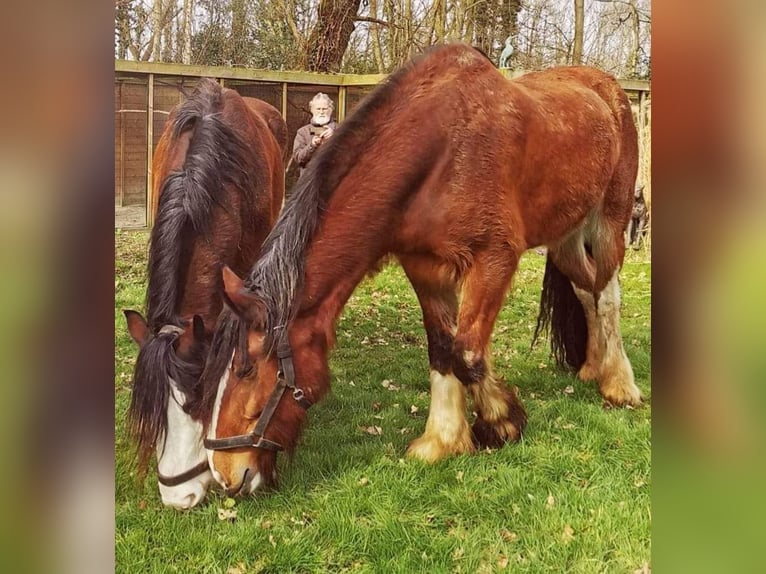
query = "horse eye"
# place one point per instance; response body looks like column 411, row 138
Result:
column 244, row 373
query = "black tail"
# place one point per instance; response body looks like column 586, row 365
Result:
column 562, row 314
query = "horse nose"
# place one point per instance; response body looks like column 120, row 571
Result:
column 182, row 499
column 242, row 488
column 185, row 502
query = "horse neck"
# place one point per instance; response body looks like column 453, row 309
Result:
column 349, row 244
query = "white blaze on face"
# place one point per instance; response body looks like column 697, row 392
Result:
column 211, row 431
column 180, row 450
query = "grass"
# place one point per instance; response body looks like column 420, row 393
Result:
column 573, row 496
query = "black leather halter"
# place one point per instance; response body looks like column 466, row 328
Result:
column 184, row 476
column 256, row 439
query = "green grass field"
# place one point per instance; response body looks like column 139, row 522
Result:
column 572, row 496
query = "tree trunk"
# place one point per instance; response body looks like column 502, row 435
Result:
column 579, row 10
column 157, row 23
column 377, row 52
column 329, row 39
column 237, row 45
column 186, row 31
column 122, row 24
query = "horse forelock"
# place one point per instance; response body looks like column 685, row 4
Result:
column 158, row 363
column 230, row 335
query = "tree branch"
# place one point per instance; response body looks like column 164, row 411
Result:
column 373, row 20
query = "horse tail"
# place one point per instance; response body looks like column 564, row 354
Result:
column 216, row 156
column 563, row 317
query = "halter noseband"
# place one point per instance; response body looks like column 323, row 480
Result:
column 184, row 476
column 285, row 380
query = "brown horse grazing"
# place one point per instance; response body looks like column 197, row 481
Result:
column 219, row 180
column 456, row 171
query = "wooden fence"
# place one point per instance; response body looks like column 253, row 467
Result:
column 150, row 90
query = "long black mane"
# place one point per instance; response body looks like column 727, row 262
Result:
column 277, row 276
column 217, row 156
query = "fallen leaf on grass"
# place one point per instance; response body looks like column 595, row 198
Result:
column 266, row 524
column 238, row 569
column 645, row 569
column 414, row 410
column 389, row 385
column 459, row 476
column 569, row 390
column 364, row 481
column 272, row 541
column 227, row 514
column 142, row 505
column 502, row 562
column 509, row 536
column 568, row 535
column 373, row 430
column 550, row 501
column 458, row 553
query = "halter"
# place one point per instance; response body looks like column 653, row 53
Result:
column 184, row 476
column 256, row 439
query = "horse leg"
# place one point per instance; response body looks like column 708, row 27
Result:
column 447, row 431
column 592, row 269
column 501, row 416
column 607, row 362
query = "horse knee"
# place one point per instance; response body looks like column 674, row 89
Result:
column 466, row 366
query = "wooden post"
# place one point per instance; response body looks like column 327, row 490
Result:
column 149, row 151
column 121, row 118
column 341, row 103
column 284, row 101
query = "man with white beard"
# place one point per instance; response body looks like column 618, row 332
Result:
column 310, row 137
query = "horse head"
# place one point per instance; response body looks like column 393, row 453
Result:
column 164, row 386
column 251, row 419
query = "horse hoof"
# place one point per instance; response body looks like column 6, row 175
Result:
column 430, row 449
column 622, row 395
column 486, row 435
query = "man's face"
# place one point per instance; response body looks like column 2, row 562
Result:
column 320, row 111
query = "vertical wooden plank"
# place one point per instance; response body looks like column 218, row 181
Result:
column 121, row 118
column 284, row 101
column 222, row 82
column 149, row 150
column 341, row 103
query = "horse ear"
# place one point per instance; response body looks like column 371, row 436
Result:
column 198, row 328
column 137, row 327
column 241, row 301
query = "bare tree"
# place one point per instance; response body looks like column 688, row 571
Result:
column 330, row 36
column 379, row 35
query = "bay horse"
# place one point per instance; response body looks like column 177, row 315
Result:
column 455, row 171
column 219, row 180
